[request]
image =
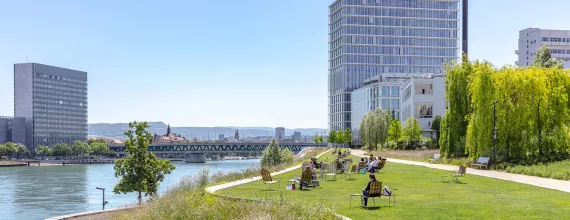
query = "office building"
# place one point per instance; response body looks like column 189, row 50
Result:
column 53, row 101
column 423, row 98
column 531, row 39
column 296, row 136
column 372, row 37
column 12, row 129
column 279, row 133
column 220, row 137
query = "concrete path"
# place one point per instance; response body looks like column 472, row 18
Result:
column 561, row 185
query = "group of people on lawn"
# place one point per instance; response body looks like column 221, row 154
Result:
column 370, row 164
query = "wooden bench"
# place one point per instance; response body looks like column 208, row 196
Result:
column 482, row 162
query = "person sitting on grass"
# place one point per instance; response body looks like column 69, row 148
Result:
column 366, row 191
column 371, row 158
column 362, row 164
column 339, row 155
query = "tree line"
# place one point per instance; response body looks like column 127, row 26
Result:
column 531, row 107
column 340, row 136
column 381, row 128
column 78, row 149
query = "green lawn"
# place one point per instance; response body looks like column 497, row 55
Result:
column 421, row 195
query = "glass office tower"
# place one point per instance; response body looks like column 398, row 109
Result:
column 389, row 37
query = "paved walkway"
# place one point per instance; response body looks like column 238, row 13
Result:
column 561, row 185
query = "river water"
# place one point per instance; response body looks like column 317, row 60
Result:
column 48, row 191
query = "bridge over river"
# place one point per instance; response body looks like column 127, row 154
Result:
column 196, row 152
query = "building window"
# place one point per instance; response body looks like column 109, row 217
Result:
column 545, row 39
column 395, row 104
column 385, row 91
column 423, row 110
column 407, row 93
column 424, row 88
column 395, row 91
column 385, row 103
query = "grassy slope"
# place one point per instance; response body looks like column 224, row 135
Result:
column 422, row 195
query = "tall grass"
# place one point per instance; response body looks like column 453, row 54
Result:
column 555, row 170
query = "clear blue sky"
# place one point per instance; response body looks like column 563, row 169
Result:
column 215, row 63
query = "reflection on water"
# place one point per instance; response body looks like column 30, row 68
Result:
column 42, row 192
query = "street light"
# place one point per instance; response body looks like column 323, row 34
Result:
column 104, row 202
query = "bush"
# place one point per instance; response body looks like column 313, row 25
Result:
column 556, row 170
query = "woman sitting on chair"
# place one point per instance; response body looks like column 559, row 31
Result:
column 366, row 191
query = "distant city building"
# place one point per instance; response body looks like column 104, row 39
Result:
column 168, row 137
column 279, row 133
column 371, row 37
column 236, row 135
column 109, row 141
column 296, row 136
column 12, row 129
column 53, row 101
column 531, row 39
column 423, row 98
column 423, row 94
column 221, row 137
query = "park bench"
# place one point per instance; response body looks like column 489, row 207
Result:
column 482, row 162
column 435, row 158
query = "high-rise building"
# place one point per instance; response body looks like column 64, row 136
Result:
column 372, row 37
column 12, row 129
column 279, row 133
column 220, row 137
column 53, row 101
column 296, row 136
column 531, row 39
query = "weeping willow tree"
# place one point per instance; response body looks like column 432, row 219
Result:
column 453, row 126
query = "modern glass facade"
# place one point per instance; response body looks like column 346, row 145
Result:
column 53, row 101
column 371, row 37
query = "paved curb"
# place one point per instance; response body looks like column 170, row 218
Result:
column 560, row 185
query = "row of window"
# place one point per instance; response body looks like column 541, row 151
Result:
column 403, row 41
column 61, row 87
column 61, row 102
column 41, row 116
column 391, row 60
column 405, row 3
column 424, row 88
column 71, row 113
column 386, row 50
column 60, row 121
column 78, row 136
column 57, row 92
column 410, row 13
column 399, row 32
column 395, row 22
column 560, row 51
column 48, row 76
column 555, row 39
column 39, row 106
column 60, row 126
column 41, row 95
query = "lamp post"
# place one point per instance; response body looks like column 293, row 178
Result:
column 495, row 130
column 104, row 202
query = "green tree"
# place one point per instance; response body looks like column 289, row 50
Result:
column 286, row 155
column 347, row 136
column 271, row 156
column 333, row 137
column 4, row 150
column 140, row 171
column 318, row 139
column 435, row 126
column 79, row 148
column 62, row 149
column 395, row 132
column 374, row 128
column 43, row 151
column 21, row 150
column 544, row 59
column 412, row 131
column 99, row 149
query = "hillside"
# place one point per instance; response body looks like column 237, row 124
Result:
column 116, row 130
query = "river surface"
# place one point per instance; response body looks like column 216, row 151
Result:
column 48, row 191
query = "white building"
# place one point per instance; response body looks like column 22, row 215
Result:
column 423, row 98
column 531, row 39
column 424, row 95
